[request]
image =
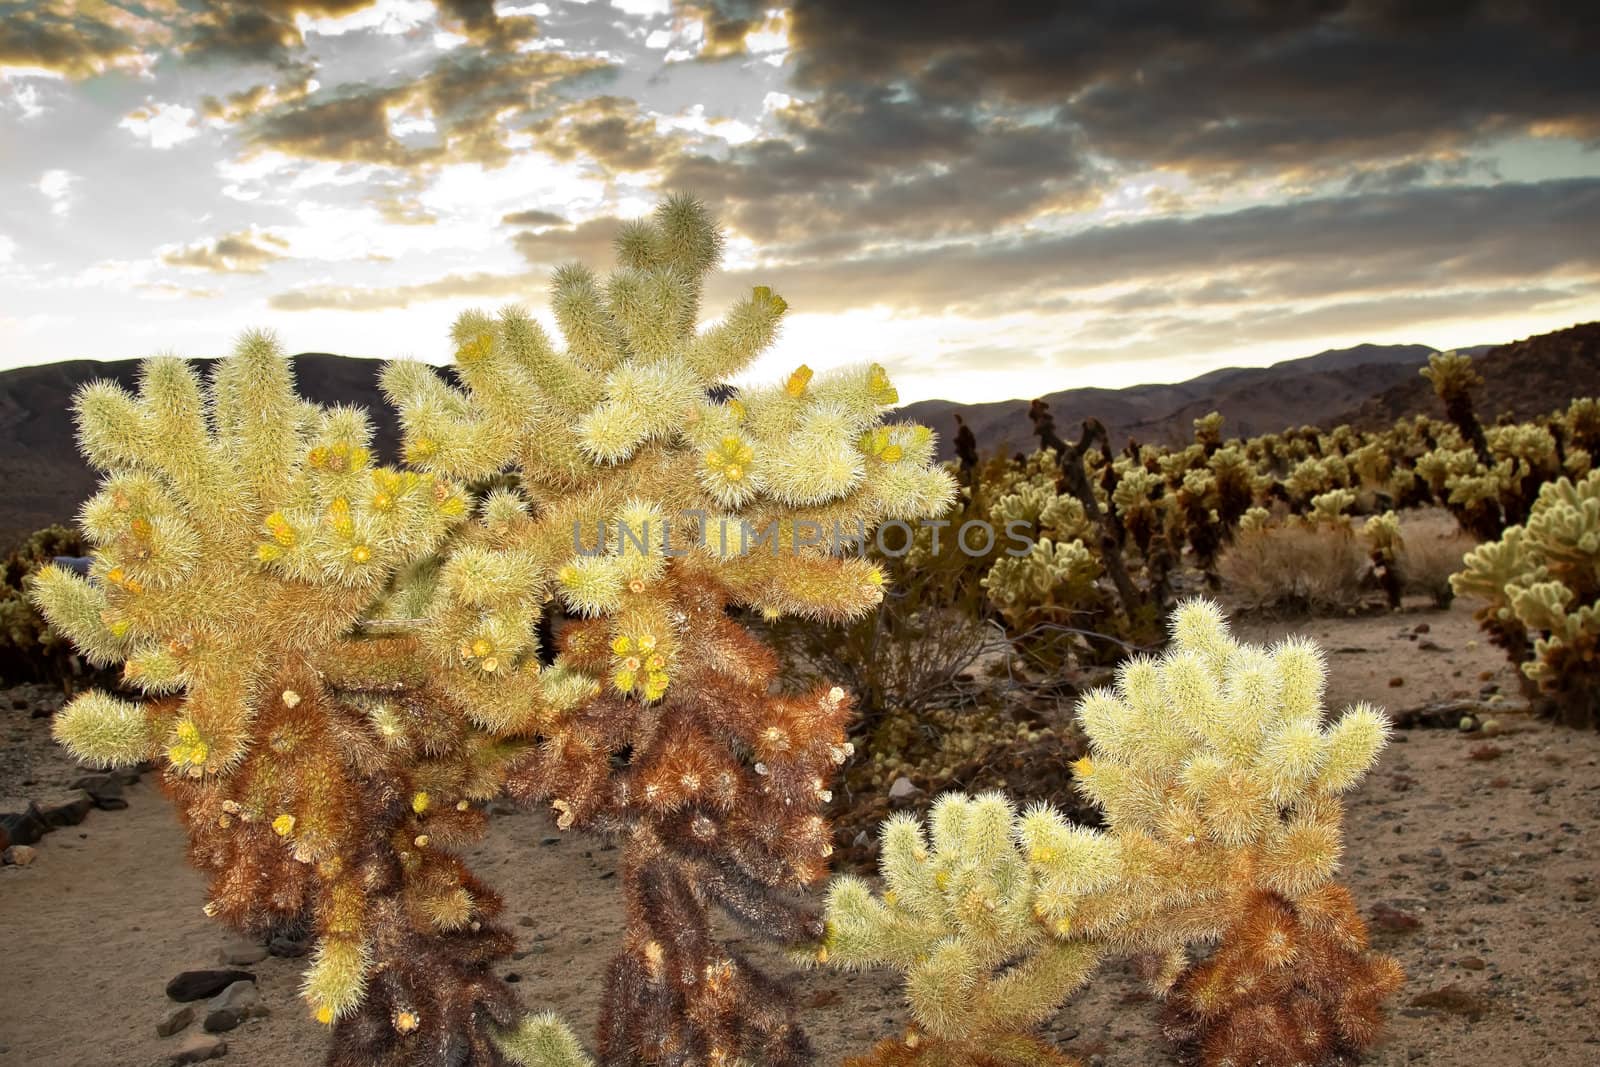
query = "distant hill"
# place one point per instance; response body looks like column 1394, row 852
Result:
column 1254, row 400
column 1534, row 376
column 43, row 476
column 1371, row 385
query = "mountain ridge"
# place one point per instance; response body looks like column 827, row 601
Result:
column 1368, row 385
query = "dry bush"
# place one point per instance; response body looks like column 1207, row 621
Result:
column 1296, row 569
column 1431, row 547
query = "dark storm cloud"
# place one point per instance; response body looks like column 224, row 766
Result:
column 1426, row 238
column 881, row 167
column 70, row 39
column 476, row 98
column 939, row 120
column 478, row 20
column 1246, row 84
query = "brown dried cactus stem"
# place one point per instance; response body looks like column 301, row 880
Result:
column 1075, row 481
column 344, row 815
column 1290, row 983
column 715, row 790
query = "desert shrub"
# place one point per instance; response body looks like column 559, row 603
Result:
column 1295, row 568
column 29, row 650
column 1431, row 549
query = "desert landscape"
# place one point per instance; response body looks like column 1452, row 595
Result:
column 699, row 533
column 1472, row 851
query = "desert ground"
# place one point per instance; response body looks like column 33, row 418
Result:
column 1472, row 853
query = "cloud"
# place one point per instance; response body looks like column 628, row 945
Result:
column 588, row 242
column 161, row 125
column 243, row 252
column 477, row 98
column 533, row 217
column 1420, row 239
column 77, row 40
column 382, row 298
column 56, row 185
column 1226, row 87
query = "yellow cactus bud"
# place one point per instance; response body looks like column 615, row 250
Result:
column 796, row 385
column 419, row 802
column 283, row 825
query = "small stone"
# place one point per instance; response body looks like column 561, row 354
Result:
column 242, row 953
column 232, row 1006
column 549, row 841
column 1390, row 918
column 903, row 789
column 198, row 985
column 1473, row 963
column 106, row 789
column 19, row 818
column 176, row 1018
column 65, row 809
column 525, row 920
column 198, row 1049
column 285, row 947
column 1421, row 628
column 1396, row 682
column 19, row 855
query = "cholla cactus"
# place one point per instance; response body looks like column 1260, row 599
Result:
column 1330, row 507
column 1384, row 545
column 239, row 536
column 958, row 917
column 1541, row 587
column 1454, row 377
column 1220, row 782
column 1050, row 575
column 650, row 500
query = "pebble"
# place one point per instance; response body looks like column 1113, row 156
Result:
column 198, row 985
column 903, row 789
column 19, row 855
column 241, row 952
column 176, row 1018
column 198, row 1049
column 232, row 1006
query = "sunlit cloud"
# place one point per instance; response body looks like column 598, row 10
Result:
column 992, row 206
column 162, row 125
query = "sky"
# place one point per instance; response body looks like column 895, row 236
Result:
column 993, row 200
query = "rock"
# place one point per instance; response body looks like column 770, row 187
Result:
column 106, row 789
column 242, row 953
column 19, row 855
column 232, row 1006
column 198, row 1049
column 176, row 1018
column 19, row 818
column 903, row 789
column 286, row 947
column 1387, row 917
column 65, row 809
column 198, row 985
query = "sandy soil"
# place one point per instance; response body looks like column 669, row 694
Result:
column 1475, row 858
